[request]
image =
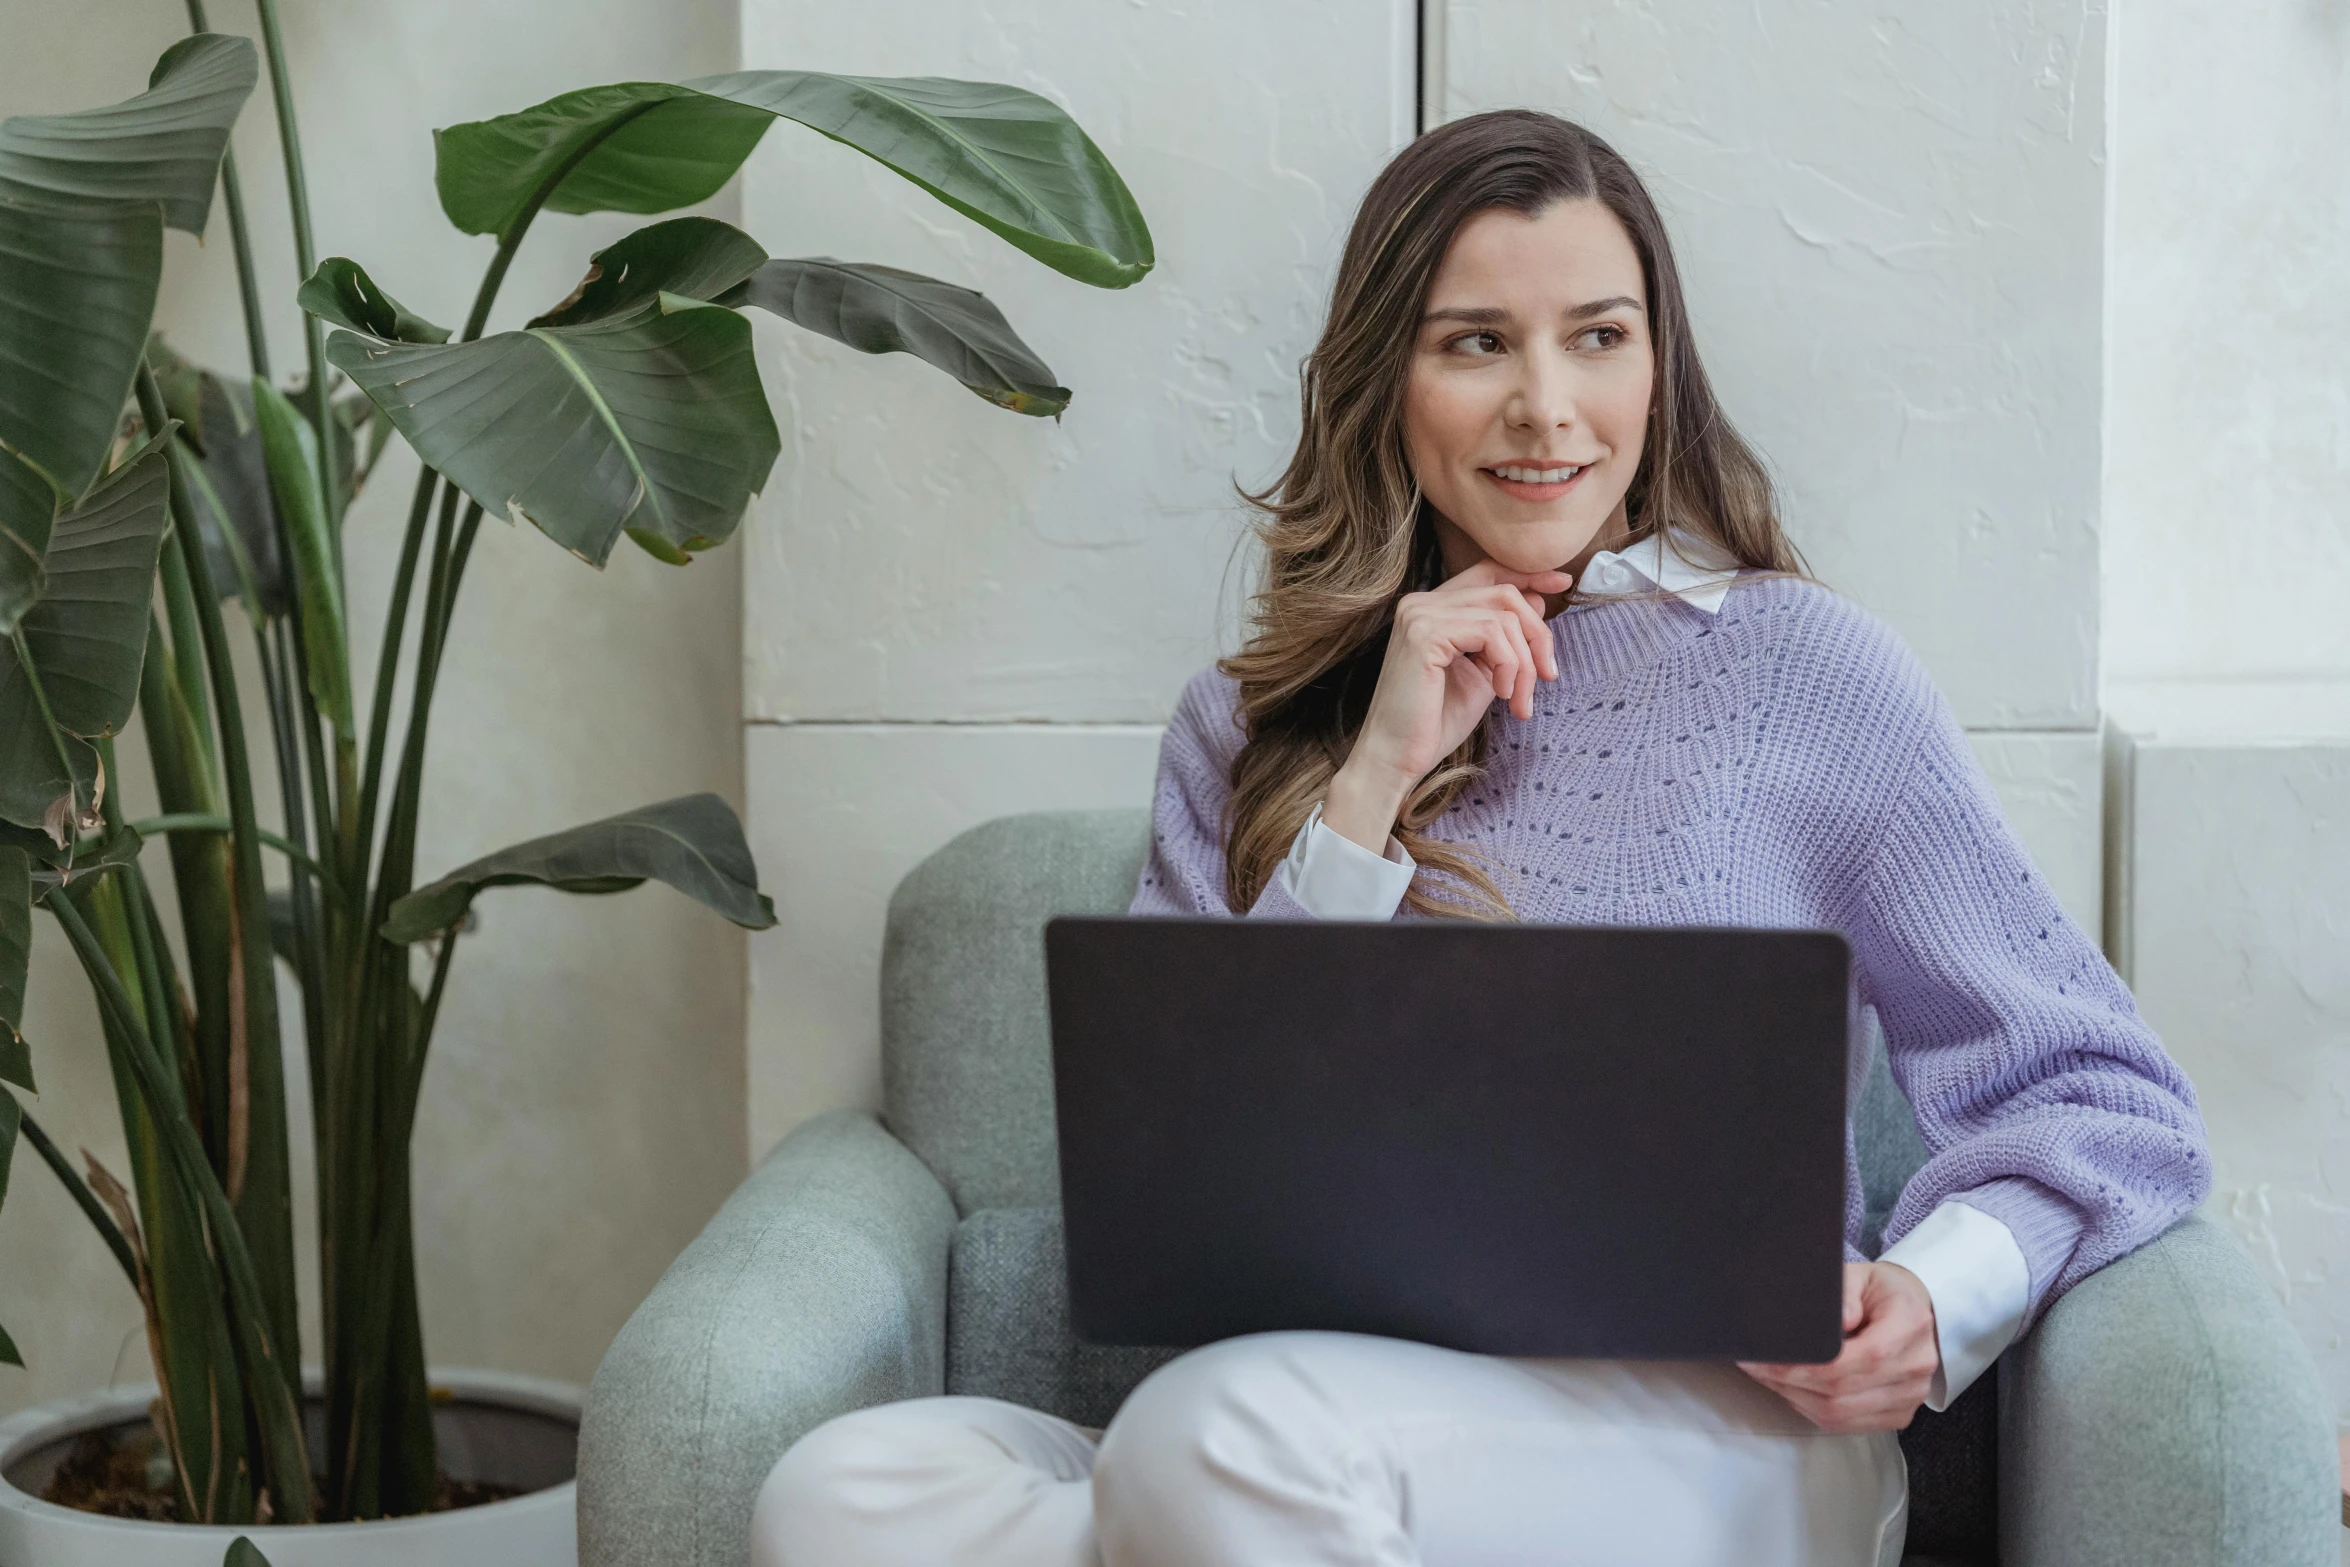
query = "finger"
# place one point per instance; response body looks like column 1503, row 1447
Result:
column 1491, row 573
column 1522, row 691
column 1479, row 635
column 1896, row 1358
column 1860, row 1362
column 1507, row 649
column 1538, row 630
column 1525, row 605
column 1537, row 643
column 1855, row 1278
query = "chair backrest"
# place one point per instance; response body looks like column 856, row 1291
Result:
column 966, row 1058
column 966, row 1054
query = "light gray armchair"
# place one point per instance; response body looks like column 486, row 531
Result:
column 2162, row 1413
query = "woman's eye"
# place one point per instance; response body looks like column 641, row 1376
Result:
column 1477, row 343
column 1600, row 337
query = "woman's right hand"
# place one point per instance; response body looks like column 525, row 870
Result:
column 1451, row 654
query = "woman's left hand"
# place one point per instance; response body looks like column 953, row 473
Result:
column 1887, row 1365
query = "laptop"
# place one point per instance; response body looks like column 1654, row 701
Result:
column 1512, row 1139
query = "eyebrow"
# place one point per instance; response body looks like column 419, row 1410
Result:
column 1491, row 315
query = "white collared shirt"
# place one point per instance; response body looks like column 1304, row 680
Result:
column 1972, row 1268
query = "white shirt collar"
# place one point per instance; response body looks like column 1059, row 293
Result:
column 1696, row 569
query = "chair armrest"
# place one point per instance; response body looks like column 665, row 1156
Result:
column 819, row 1287
column 2165, row 1412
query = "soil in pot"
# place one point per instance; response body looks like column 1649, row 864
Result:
column 124, row 1470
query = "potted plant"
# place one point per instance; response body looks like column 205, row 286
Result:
column 138, row 493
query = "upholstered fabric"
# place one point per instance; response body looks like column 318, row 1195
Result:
column 1008, row 1331
column 967, row 1062
column 2164, row 1411
column 819, row 1287
column 2162, row 1414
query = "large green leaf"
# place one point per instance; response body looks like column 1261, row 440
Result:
column 1005, row 158
column 84, row 198
column 876, row 309
column 882, row 310
column 87, row 636
column 16, row 950
column 228, row 479
column 229, row 484
column 88, row 633
column 651, row 423
column 700, row 258
column 28, row 508
column 76, row 292
column 291, row 450
column 341, row 291
column 162, row 146
column 695, row 844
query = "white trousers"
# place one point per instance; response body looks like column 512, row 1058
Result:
column 1337, row 1450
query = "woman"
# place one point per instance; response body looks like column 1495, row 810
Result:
column 1530, row 643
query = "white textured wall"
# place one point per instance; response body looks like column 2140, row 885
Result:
column 2227, row 485
column 582, row 1114
column 2239, row 949
column 924, row 562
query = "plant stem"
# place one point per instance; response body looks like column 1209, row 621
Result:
column 191, row 1331
column 309, row 958
column 83, row 1198
column 179, row 605
column 233, row 196
column 268, row 1210
column 279, row 1411
column 289, row 138
column 294, row 668
column 387, row 663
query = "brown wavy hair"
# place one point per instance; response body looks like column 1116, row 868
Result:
column 1346, row 531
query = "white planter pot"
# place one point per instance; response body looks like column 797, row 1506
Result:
column 508, row 1430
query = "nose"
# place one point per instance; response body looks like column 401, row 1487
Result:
column 1544, row 397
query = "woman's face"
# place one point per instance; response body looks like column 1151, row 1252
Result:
column 1527, row 402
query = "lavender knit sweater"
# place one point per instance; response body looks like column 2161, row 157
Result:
column 1787, row 763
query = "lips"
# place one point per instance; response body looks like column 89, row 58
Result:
column 1534, row 481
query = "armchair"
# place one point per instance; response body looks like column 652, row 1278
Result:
column 2162, row 1414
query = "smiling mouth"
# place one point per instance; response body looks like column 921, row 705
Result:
column 1528, row 481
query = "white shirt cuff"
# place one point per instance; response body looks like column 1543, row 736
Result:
column 1974, row 1272
column 1332, row 877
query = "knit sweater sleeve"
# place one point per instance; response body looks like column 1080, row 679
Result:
column 1185, row 871
column 2042, row 1097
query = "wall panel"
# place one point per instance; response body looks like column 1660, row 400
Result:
column 842, row 811
column 2228, row 421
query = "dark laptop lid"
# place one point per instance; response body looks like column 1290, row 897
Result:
column 1512, row 1139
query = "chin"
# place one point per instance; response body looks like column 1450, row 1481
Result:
column 1544, row 547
